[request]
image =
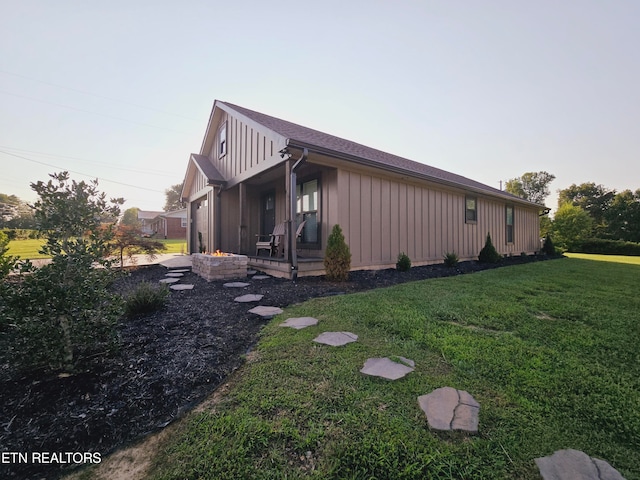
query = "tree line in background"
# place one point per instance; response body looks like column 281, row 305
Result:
column 590, row 218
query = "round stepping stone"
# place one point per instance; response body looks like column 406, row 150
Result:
column 266, row 312
column 183, row 270
column 336, row 339
column 248, row 298
column 575, row 464
column 235, row 285
column 184, row 286
column 299, row 322
column 169, row 280
column 174, row 275
column 260, row 277
column 387, row 368
column 450, row 409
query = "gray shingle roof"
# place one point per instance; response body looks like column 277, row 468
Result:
column 307, row 137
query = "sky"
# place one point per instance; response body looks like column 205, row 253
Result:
column 122, row 90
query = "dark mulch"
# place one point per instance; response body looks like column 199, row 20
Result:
column 169, row 361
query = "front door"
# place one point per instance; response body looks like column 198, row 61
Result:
column 268, row 213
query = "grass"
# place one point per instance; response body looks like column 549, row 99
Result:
column 548, row 349
column 606, row 258
column 30, row 248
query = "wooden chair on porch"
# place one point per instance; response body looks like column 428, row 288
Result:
column 274, row 241
column 274, row 244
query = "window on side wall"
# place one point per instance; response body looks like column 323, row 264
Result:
column 509, row 223
column 222, row 140
column 471, row 210
column 307, row 209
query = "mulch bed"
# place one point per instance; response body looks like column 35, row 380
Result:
column 168, row 362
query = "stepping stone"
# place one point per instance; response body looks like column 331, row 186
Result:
column 248, row 298
column 169, row 280
column 336, row 339
column 266, row 312
column 184, row 270
column 387, row 368
column 299, row 322
column 450, row 409
column 260, row 277
column 569, row 464
column 184, row 286
column 175, row 275
column 236, row 285
column 251, row 272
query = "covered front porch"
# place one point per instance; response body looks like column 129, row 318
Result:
column 281, row 268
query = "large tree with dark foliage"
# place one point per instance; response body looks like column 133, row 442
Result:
column 532, row 186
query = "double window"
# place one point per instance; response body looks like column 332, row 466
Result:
column 307, row 210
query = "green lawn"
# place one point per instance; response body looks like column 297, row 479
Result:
column 550, row 350
column 30, row 248
column 606, row 258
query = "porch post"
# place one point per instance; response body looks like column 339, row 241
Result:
column 287, row 209
column 242, row 218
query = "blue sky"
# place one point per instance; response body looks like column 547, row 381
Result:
column 122, row 90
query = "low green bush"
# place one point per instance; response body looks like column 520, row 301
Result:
column 489, row 254
column 607, row 247
column 337, row 258
column 404, row 262
column 451, row 259
column 146, row 298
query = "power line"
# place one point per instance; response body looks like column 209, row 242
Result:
column 80, row 173
column 98, row 96
column 152, row 172
column 91, row 112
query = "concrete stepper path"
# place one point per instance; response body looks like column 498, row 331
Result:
column 299, row 322
column 450, row 409
column 387, row 368
column 266, row 312
column 336, row 339
column 248, row 298
column 184, row 286
column 236, row 285
column 174, row 274
column 573, row 464
column 169, row 280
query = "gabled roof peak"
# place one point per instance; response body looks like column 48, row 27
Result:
column 314, row 140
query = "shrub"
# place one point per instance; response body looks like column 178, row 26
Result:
column 607, row 247
column 146, row 298
column 547, row 246
column 337, row 258
column 7, row 262
column 451, row 259
column 489, row 254
column 404, row 262
column 64, row 312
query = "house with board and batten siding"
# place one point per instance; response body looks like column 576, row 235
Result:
column 255, row 171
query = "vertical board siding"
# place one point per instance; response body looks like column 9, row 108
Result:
column 382, row 217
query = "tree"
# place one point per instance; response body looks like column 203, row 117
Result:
column 173, row 198
column 337, row 258
column 128, row 240
column 130, row 217
column 571, row 225
column 592, row 198
column 532, row 186
column 623, row 216
column 64, row 311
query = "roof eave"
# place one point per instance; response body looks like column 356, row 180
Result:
column 391, row 168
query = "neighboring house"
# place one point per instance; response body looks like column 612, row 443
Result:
column 255, row 171
column 146, row 217
column 170, row 224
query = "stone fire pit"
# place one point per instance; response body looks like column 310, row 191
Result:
column 224, row 266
